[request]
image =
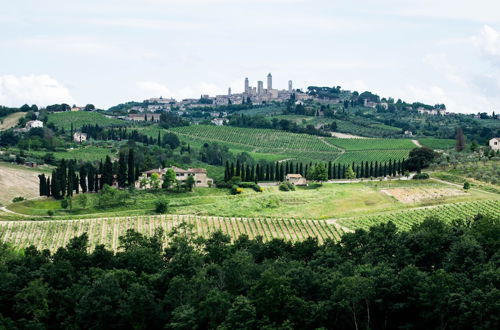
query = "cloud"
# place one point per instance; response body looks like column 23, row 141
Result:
column 84, row 46
column 153, row 24
column 488, row 42
column 154, row 89
column 32, row 89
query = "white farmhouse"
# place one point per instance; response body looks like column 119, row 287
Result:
column 34, row 124
column 79, row 137
column 495, row 144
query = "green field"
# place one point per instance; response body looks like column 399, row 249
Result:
column 372, row 144
column 86, row 153
column 81, row 118
column 437, row 143
column 328, row 201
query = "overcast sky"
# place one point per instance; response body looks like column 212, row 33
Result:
column 111, row 51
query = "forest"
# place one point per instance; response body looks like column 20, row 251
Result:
column 434, row 276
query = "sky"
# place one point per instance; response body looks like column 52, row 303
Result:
column 107, row 52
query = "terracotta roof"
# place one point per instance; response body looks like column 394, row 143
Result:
column 197, row 170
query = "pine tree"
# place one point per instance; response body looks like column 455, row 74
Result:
column 122, row 171
column 131, row 168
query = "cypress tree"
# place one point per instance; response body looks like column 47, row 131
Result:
column 131, row 168
column 242, row 172
column 268, row 175
column 122, row 171
column 55, row 187
column 330, row 173
column 277, row 172
column 248, row 174
column 107, row 172
column 375, row 169
column 91, row 177
column 301, row 170
column 159, row 139
column 231, row 171
column 62, row 179
column 48, row 187
column 367, row 170
column 83, row 179
column 238, row 168
column 226, row 172
column 42, row 185
column 344, row 168
column 70, row 181
column 257, row 176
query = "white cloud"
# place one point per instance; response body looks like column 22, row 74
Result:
column 156, row 89
column 32, row 89
column 488, row 42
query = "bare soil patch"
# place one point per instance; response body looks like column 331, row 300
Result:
column 415, row 195
column 17, row 181
column 11, row 120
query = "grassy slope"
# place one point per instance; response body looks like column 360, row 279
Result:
column 80, row 118
column 435, row 143
column 329, row 201
column 11, row 120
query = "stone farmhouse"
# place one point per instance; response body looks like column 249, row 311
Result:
column 200, row 175
column 79, row 137
column 495, row 144
column 296, row 179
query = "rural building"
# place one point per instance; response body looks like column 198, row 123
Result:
column 75, row 108
column 200, row 175
column 33, row 124
column 144, row 117
column 296, row 179
column 495, row 144
column 79, row 137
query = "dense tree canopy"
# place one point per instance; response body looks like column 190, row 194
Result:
column 434, row 276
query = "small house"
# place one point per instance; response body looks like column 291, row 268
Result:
column 296, row 179
column 495, row 144
column 79, row 137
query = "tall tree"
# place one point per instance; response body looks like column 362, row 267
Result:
column 131, row 168
column 459, row 140
column 107, row 172
column 83, row 178
column 122, row 171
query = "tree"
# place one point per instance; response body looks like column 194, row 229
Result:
column 459, row 140
column 190, row 182
column 154, row 181
column 83, row 179
column 122, row 171
column 161, row 206
column 107, row 172
column 466, row 185
column 420, row 158
column 349, row 173
column 169, row 179
column 130, row 167
column 318, row 172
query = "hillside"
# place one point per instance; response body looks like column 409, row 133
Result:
column 16, row 181
column 80, row 118
column 11, row 120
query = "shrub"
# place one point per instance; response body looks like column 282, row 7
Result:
column 235, row 190
column 50, row 213
column 18, row 199
column 64, row 204
column 161, row 206
column 421, row 176
column 286, row 186
column 466, row 185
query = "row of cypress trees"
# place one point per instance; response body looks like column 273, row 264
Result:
column 67, row 178
column 278, row 171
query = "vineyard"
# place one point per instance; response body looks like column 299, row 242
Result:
column 56, row 233
column 404, row 220
column 372, row 144
column 437, row 143
column 299, row 147
column 80, row 118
